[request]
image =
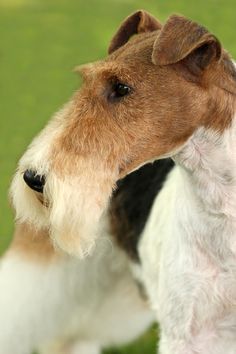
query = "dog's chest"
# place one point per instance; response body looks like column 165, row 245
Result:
column 213, row 296
column 196, row 294
column 205, row 273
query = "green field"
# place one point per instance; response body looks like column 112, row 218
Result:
column 40, row 43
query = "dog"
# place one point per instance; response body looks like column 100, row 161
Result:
column 165, row 92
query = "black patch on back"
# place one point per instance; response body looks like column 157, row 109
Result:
column 132, row 201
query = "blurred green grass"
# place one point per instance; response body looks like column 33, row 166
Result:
column 41, row 41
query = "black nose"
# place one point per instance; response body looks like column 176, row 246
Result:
column 34, row 181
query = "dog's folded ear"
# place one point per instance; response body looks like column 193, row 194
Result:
column 183, row 40
column 140, row 21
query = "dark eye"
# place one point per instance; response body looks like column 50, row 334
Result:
column 119, row 90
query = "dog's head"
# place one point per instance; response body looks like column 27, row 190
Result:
column 158, row 85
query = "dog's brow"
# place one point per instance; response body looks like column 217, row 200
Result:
column 108, row 72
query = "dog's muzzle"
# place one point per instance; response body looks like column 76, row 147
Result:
column 34, row 181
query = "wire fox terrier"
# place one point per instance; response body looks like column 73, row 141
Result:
column 167, row 92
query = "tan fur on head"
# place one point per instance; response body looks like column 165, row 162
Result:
column 179, row 79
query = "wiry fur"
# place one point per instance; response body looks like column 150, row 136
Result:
column 188, row 249
column 181, row 104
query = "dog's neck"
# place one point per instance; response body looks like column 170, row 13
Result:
column 206, row 195
column 208, row 162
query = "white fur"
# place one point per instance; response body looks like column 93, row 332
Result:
column 76, row 209
column 69, row 306
column 26, row 204
column 188, row 248
column 80, row 347
column 188, row 253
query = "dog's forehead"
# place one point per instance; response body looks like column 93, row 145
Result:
column 127, row 61
column 130, row 60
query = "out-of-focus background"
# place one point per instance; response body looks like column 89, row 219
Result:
column 41, row 41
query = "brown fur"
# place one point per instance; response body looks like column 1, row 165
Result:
column 168, row 103
column 33, row 244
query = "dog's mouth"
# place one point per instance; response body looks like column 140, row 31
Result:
column 42, row 199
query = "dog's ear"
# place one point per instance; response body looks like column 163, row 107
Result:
column 181, row 39
column 140, row 21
